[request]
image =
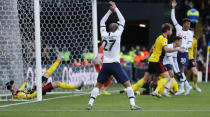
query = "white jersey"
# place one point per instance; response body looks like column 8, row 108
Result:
column 187, row 36
column 167, row 55
column 171, row 58
column 111, row 44
column 111, row 40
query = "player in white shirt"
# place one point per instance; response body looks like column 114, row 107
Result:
column 111, row 63
column 182, row 58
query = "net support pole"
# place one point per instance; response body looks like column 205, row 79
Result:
column 207, row 64
column 95, row 31
column 38, row 49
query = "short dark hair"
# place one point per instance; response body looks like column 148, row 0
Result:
column 9, row 84
column 165, row 27
column 185, row 20
column 176, row 38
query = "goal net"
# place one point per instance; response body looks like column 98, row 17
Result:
column 66, row 27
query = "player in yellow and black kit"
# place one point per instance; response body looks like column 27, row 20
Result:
column 155, row 61
column 192, row 53
column 24, row 93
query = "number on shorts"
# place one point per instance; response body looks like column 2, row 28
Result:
column 183, row 60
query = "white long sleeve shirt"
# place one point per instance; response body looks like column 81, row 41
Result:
column 187, row 36
column 111, row 40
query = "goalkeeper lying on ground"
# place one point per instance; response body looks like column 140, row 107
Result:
column 24, row 93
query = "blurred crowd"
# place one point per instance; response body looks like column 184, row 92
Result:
column 198, row 11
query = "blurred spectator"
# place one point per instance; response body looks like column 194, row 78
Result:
column 45, row 55
column 76, row 63
column 182, row 12
column 123, row 50
column 66, row 54
column 139, row 59
column 146, row 52
column 89, row 56
column 193, row 15
column 206, row 34
column 206, row 13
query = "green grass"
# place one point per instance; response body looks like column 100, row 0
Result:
column 116, row 105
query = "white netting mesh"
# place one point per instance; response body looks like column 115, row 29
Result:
column 66, row 26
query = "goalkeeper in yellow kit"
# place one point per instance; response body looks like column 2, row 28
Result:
column 24, row 93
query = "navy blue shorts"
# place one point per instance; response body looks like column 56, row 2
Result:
column 114, row 69
column 182, row 58
column 168, row 67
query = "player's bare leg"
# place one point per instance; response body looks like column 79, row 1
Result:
column 195, row 79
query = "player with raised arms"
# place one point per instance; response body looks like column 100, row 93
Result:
column 111, row 63
column 182, row 58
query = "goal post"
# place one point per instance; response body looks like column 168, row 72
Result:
column 38, row 49
column 32, row 34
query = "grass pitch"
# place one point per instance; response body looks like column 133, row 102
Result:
column 115, row 105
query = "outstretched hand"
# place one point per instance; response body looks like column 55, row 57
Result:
column 173, row 4
column 112, row 6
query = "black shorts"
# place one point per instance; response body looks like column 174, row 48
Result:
column 191, row 64
column 47, row 88
column 156, row 67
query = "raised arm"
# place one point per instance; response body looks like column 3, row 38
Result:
column 114, row 8
column 104, row 19
column 119, row 14
column 120, row 17
column 173, row 17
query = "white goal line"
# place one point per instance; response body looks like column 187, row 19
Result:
column 60, row 97
column 115, row 110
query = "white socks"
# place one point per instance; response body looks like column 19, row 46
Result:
column 93, row 96
column 168, row 85
column 130, row 95
column 186, row 82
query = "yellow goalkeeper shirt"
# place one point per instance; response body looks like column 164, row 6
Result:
column 23, row 93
